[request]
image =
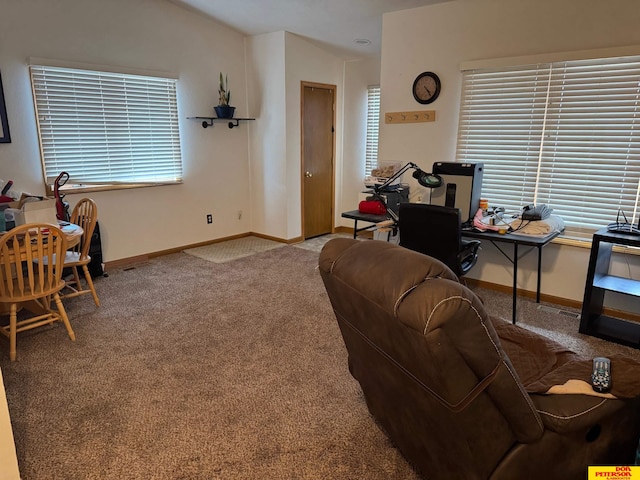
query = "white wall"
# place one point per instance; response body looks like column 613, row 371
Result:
column 439, row 38
column 359, row 74
column 306, row 62
column 253, row 169
column 277, row 64
column 267, row 139
column 146, row 34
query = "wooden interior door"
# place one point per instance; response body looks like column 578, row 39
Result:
column 317, row 158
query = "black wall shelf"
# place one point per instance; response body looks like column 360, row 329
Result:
column 210, row 121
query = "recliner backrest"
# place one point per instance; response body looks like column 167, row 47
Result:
column 427, row 357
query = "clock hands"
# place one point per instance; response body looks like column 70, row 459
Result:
column 428, row 92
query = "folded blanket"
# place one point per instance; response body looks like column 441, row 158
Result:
column 545, row 366
column 575, row 386
column 549, row 225
column 625, row 372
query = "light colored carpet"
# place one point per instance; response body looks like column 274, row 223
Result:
column 195, row 370
column 315, row 244
column 243, row 247
column 233, row 249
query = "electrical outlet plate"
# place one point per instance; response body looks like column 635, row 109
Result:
column 209, row 218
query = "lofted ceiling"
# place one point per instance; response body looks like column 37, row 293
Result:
column 340, row 26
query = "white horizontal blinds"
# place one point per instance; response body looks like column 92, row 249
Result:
column 373, row 128
column 500, row 124
column 590, row 162
column 586, row 166
column 104, row 127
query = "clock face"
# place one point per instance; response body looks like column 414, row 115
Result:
column 426, row 87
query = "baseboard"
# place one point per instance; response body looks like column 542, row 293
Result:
column 565, row 302
column 125, row 262
column 289, row 241
column 523, row 293
column 130, row 261
column 348, row 230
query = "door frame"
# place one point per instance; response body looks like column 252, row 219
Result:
column 333, row 89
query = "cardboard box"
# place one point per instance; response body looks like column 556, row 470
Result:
column 42, row 211
column 30, row 211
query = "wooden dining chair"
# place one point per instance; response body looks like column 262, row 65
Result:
column 28, row 283
column 85, row 214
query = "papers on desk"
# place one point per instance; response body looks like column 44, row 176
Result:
column 499, row 223
column 385, row 224
column 551, row 224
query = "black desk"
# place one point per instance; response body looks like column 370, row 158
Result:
column 365, row 217
column 516, row 240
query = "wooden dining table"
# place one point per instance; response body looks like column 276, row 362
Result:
column 73, row 234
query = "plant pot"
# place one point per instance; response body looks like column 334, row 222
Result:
column 224, row 111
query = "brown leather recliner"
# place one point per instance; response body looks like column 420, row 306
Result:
column 461, row 394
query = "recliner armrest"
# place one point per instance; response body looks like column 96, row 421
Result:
column 569, row 413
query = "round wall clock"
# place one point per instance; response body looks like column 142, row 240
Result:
column 426, row 87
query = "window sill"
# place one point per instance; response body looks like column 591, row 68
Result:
column 572, row 242
column 83, row 188
column 584, row 243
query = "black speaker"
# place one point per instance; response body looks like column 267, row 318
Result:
column 461, row 187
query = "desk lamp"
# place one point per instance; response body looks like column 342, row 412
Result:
column 428, row 180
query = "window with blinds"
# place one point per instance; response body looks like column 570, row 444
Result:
column 106, row 128
column 373, row 128
column 566, row 134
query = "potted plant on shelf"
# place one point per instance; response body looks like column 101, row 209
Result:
column 224, row 110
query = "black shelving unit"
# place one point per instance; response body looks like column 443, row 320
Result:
column 210, row 121
column 593, row 321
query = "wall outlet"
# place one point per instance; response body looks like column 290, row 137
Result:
column 209, row 218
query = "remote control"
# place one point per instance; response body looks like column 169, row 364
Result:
column 601, row 376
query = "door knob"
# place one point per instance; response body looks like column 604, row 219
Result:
column 308, row 174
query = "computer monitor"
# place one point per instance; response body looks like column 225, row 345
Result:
column 461, row 187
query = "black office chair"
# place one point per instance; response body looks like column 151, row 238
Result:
column 437, row 231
